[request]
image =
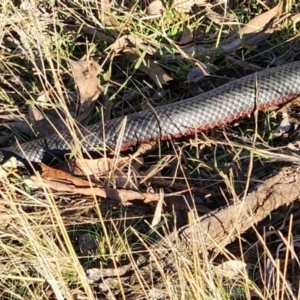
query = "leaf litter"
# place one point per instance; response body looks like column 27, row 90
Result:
column 85, row 72
column 251, row 34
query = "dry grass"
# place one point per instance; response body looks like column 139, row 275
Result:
column 49, row 238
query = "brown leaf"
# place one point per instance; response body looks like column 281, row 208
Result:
column 145, row 148
column 5, row 169
column 156, row 7
column 89, row 167
column 187, row 36
column 285, row 125
column 158, row 211
column 251, row 34
column 5, row 217
column 151, row 68
column 106, row 16
column 293, row 146
column 127, row 42
column 55, row 174
column 231, row 268
column 218, row 18
column 88, row 85
column 184, row 6
column 254, row 26
column 120, row 195
column 260, row 21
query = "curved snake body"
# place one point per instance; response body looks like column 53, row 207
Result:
column 219, row 106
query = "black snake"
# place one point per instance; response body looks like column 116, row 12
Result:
column 222, row 105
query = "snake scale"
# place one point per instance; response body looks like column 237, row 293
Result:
column 219, row 106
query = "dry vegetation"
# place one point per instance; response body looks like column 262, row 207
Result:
column 129, row 228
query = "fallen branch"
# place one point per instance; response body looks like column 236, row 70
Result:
column 213, row 231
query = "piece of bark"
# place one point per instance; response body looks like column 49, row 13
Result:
column 214, row 230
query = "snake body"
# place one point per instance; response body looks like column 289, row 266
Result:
column 219, row 106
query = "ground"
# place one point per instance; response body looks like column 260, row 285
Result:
column 128, row 227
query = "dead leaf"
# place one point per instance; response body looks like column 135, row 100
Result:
column 3, row 172
column 88, row 85
column 5, row 169
column 187, row 36
column 89, row 167
column 106, row 17
column 127, row 42
column 144, row 149
column 29, row 6
column 256, row 31
column 158, row 210
column 261, row 35
column 219, row 18
column 259, row 22
column 185, row 6
column 150, row 197
column 156, row 7
column 120, row 195
column 55, row 174
column 293, row 146
column 231, row 268
column 43, row 97
column 253, row 26
column 151, row 68
column 284, row 127
column 6, row 216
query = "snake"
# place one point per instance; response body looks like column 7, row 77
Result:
column 222, row 105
